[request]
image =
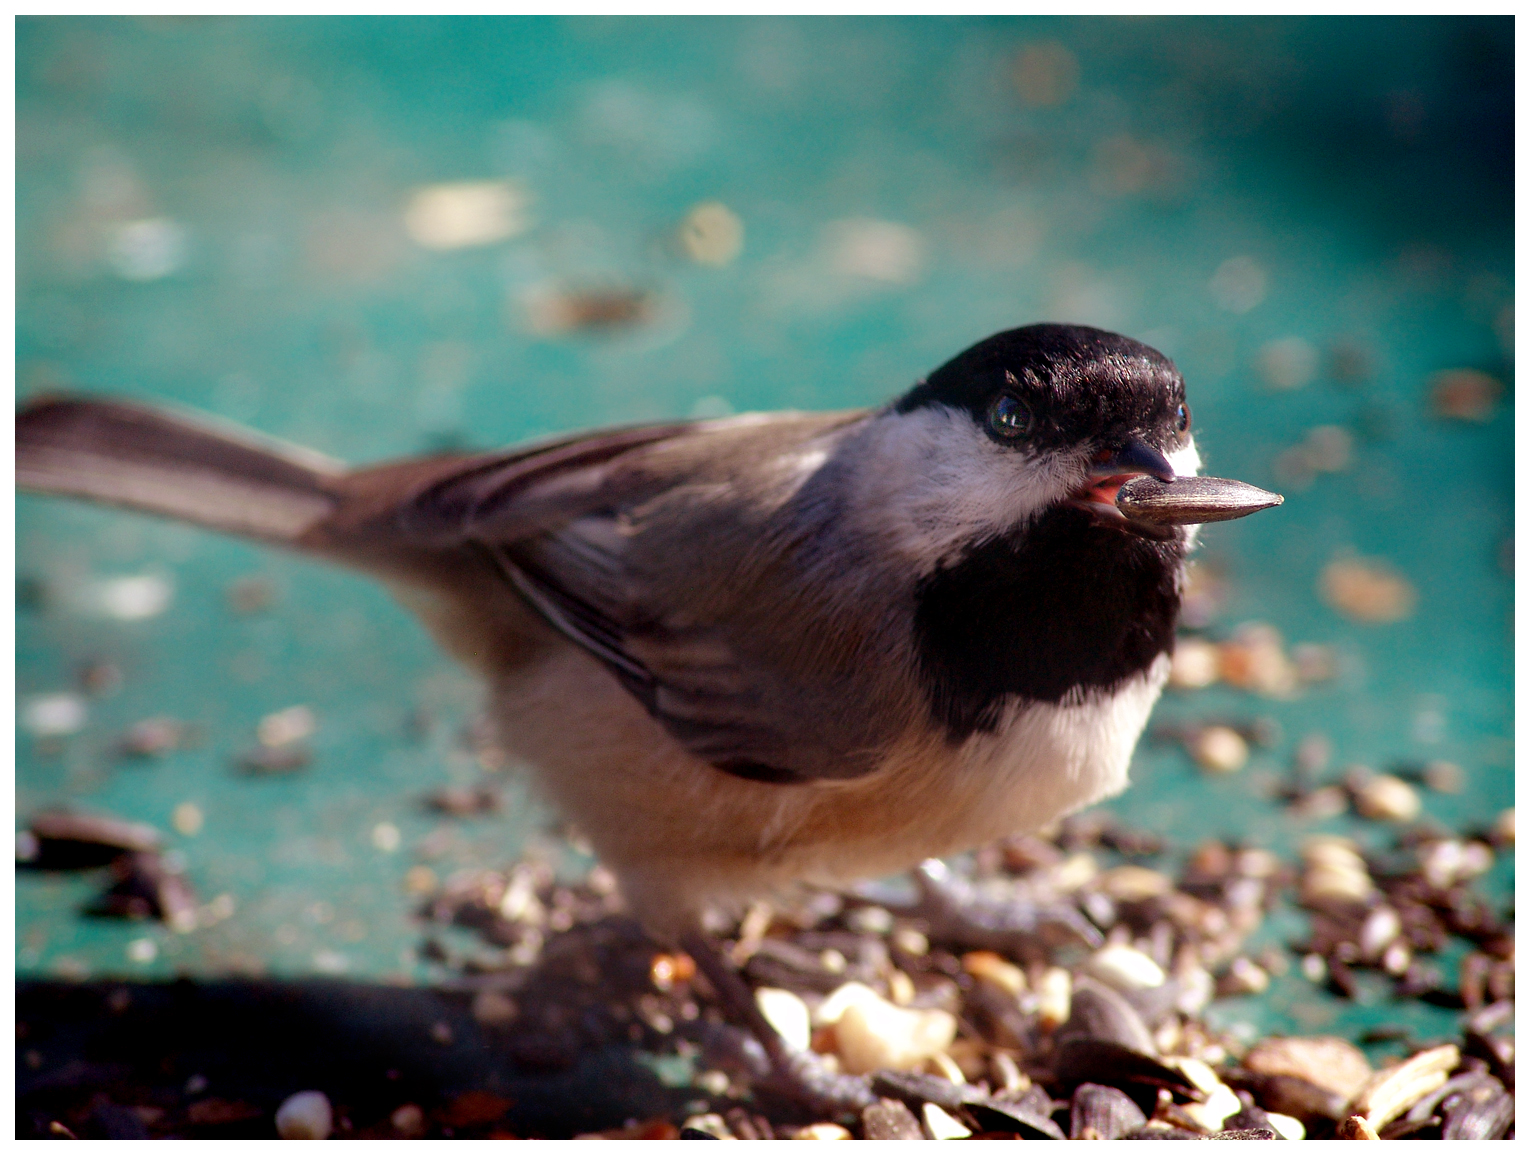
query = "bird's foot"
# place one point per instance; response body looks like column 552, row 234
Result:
column 949, row 905
column 800, row 1076
column 804, row 1078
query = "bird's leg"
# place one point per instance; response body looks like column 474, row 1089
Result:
column 797, row 1074
column 955, row 914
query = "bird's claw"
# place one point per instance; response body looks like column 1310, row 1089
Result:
column 954, row 913
column 802, row 1077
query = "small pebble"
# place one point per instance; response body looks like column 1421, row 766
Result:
column 1335, row 884
column 53, row 715
column 911, row 941
column 408, row 1121
column 286, row 727
column 1444, row 777
column 1387, row 798
column 187, row 818
column 1396, row 959
column 900, row 988
column 250, row 595
column 1287, row 363
column 712, row 234
column 551, row 310
column 1367, row 591
column 986, row 966
column 788, row 1014
column 665, row 970
column 153, row 737
column 267, row 760
column 1196, row 988
column 420, row 880
column 870, row 920
column 1322, row 1060
column 1135, row 883
column 1007, row 1075
column 890, row 1119
column 386, row 837
column 1195, row 665
column 306, row 1115
column 1464, row 395
column 1503, row 827
column 1054, row 997
column 464, row 800
column 466, row 214
column 941, row 1125
column 945, row 1066
column 1285, row 1126
column 1244, row 977
column 873, row 1034
column 132, row 598
column 1324, row 802
column 1073, row 872
column 710, row 1124
column 1355, row 1127
column 1314, row 663
column 1125, row 968
column 494, row 1009
column 1254, row 659
column 1392, row 1091
column 1220, row 749
column 100, row 678
column 1220, row 1104
column 1378, row 931
column 823, row 1131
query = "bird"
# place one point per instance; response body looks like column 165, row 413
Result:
column 751, row 654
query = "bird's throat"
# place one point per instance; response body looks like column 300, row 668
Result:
column 1060, row 611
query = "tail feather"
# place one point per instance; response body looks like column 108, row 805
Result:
column 148, row 460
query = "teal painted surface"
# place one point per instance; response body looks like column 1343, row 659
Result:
column 1359, row 164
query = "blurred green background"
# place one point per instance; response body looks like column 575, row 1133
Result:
column 377, row 237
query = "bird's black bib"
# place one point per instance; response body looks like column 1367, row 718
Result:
column 1055, row 613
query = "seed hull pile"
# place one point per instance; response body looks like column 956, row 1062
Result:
column 1034, row 992
column 1043, row 988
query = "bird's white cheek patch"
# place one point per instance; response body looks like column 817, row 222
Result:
column 935, row 483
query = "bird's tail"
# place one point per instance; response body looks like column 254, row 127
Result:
column 144, row 459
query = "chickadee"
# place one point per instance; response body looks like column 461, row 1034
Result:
column 775, row 649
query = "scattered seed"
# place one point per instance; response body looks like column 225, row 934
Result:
column 306, row 1115
column 286, row 727
column 1391, row 1092
column 1368, row 591
column 890, row 1119
column 1464, row 395
column 1387, row 798
column 1195, row 664
column 187, row 819
column 1220, row 749
column 941, row 1125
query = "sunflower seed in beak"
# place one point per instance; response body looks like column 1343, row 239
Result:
column 1191, row 500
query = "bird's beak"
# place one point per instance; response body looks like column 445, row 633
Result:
column 1136, row 482
column 1135, row 457
column 1112, row 468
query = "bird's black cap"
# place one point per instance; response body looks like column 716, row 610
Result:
column 1079, row 383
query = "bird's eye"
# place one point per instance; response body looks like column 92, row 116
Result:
column 1008, row 417
column 1182, row 418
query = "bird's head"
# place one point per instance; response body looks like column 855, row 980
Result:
column 1056, row 415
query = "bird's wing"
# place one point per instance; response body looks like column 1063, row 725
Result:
column 674, row 555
